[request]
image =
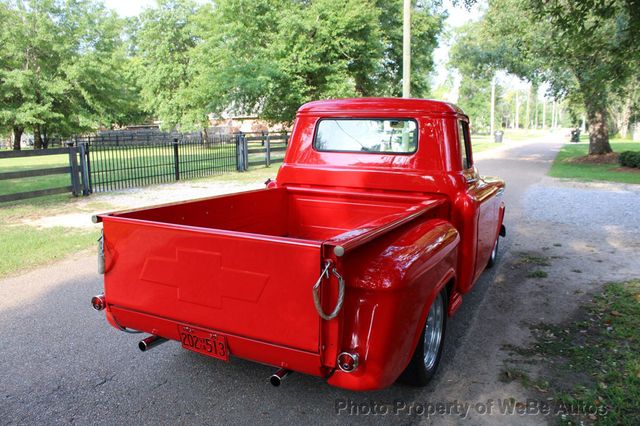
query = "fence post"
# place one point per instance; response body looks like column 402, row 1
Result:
column 73, row 164
column 242, row 151
column 267, row 157
column 245, row 150
column 87, row 148
column 239, row 154
column 84, row 168
column 176, row 158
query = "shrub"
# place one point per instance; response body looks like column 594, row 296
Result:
column 630, row 159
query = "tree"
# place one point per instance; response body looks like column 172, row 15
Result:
column 586, row 46
column 267, row 57
column 163, row 40
column 427, row 24
column 60, row 67
column 475, row 100
column 330, row 49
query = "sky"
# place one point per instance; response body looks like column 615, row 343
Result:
column 128, row 7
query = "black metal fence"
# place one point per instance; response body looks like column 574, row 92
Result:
column 117, row 160
column 124, row 162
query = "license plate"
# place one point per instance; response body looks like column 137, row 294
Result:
column 204, row 342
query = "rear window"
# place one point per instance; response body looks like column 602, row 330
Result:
column 395, row 136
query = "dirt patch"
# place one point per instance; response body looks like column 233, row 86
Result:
column 589, row 361
column 611, row 158
column 626, row 170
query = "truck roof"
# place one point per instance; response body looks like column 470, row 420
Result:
column 379, row 105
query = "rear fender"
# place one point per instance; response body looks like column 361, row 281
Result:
column 391, row 285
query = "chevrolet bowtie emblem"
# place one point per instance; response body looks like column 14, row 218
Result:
column 200, row 278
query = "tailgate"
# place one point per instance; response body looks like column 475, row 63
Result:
column 251, row 286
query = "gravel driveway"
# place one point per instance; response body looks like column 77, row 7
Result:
column 62, row 363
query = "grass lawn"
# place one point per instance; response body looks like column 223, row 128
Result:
column 593, row 362
column 486, row 142
column 481, row 143
column 24, row 247
column 563, row 167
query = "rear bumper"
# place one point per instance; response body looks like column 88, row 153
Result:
column 239, row 346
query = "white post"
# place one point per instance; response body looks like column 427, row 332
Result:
column 517, row 123
column 544, row 113
column 493, row 104
column 527, row 124
column 406, row 50
column 559, row 114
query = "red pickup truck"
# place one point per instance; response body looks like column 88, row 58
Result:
column 345, row 267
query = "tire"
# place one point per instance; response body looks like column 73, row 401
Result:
column 494, row 254
column 426, row 357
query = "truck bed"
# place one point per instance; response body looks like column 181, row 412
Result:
column 241, row 265
column 296, row 213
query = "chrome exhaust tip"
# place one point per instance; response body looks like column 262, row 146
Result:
column 98, row 302
column 150, row 342
column 277, row 377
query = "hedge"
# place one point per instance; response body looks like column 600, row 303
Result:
column 630, row 159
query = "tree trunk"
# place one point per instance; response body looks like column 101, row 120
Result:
column 17, row 137
column 598, row 129
column 45, row 138
column 625, row 116
column 37, row 138
column 635, row 132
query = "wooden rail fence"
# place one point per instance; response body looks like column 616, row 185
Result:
column 74, row 169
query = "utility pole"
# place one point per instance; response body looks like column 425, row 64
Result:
column 517, row 120
column 493, row 104
column 544, row 113
column 558, row 115
column 527, row 123
column 406, row 50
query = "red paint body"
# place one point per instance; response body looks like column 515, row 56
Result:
column 243, row 265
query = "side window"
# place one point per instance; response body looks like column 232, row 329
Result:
column 463, row 139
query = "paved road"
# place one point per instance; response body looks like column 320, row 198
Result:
column 61, row 362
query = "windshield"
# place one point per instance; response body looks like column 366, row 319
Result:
column 398, row 136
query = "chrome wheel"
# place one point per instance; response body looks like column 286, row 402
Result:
column 433, row 332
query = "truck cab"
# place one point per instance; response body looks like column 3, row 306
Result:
column 345, row 267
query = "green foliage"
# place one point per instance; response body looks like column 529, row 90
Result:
column 475, row 99
column 268, row 57
column 61, row 67
column 630, row 159
column 585, row 47
column 162, row 41
column 426, row 24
